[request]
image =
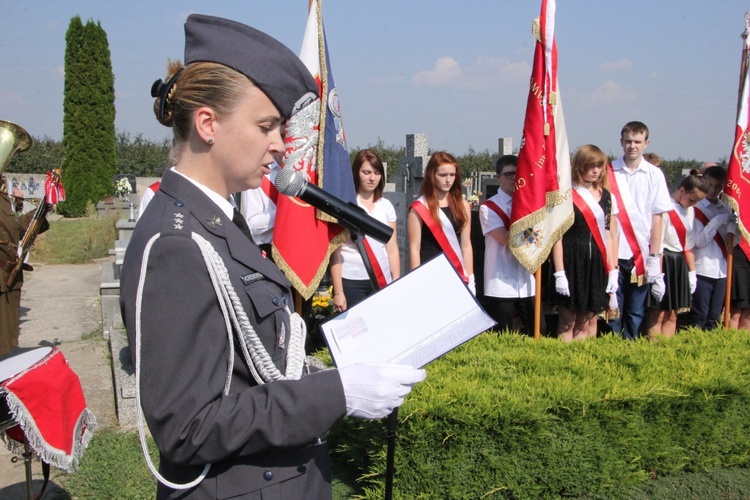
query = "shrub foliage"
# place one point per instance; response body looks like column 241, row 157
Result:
column 506, row 416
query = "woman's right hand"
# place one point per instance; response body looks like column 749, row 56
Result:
column 339, row 302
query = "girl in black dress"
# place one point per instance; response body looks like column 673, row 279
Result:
column 585, row 257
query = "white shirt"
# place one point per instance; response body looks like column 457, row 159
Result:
column 260, row 211
column 649, row 194
column 670, row 240
column 148, row 195
column 709, row 261
column 352, row 266
column 504, row 276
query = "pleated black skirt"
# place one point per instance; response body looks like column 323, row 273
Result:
column 677, row 295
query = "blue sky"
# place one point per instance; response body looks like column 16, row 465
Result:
column 457, row 71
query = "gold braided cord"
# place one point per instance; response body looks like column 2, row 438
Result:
column 736, row 208
column 307, row 290
column 320, row 158
column 536, row 30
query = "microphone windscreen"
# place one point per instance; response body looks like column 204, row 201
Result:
column 289, row 182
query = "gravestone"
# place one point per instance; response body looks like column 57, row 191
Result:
column 406, row 186
column 411, row 167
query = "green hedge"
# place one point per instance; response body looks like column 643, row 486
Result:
column 506, row 416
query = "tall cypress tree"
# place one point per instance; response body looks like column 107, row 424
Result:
column 88, row 163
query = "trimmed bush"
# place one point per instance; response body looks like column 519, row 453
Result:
column 506, row 416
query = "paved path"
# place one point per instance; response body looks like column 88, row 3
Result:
column 60, row 306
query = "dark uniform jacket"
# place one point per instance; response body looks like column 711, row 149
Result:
column 260, row 438
column 12, row 229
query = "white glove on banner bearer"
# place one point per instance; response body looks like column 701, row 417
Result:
column 658, row 288
column 561, row 284
column 373, row 391
column 693, row 279
column 472, row 285
column 653, row 268
column 613, row 281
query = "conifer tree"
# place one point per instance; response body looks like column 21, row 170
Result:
column 88, row 145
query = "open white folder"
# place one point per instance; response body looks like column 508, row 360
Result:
column 412, row 321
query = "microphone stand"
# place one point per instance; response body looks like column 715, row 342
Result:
column 392, row 422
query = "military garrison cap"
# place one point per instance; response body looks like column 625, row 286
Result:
column 272, row 67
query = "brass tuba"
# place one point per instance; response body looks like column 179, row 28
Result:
column 12, row 138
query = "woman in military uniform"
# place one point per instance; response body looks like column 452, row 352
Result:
column 220, row 368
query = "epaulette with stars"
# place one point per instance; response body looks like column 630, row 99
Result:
column 176, row 220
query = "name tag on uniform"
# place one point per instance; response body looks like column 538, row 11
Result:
column 251, row 278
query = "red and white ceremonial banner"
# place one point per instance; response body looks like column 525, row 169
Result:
column 542, row 207
column 304, row 238
column 737, row 187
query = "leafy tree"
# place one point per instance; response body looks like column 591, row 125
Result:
column 389, row 154
column 44, row 154
column 140, row 157
column 88, row 163
column 474, row 161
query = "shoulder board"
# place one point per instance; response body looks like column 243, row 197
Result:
column 176, row 220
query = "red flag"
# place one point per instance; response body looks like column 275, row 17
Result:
column 304, row 239
column 738, row 172
column 542, row 207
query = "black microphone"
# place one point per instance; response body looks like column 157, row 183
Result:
column 349, row 215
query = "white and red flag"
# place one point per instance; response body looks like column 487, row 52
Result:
column 542, row 207
column 304, row 238
column 737, row 187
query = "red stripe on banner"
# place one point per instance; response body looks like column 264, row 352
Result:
column 717, row 237
column 437, row 232
column 679, row 228
column 626, row 225
column 375, row 264
column 590, row 218
column 499, row 211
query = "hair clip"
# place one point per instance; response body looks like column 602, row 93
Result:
column 161, row 90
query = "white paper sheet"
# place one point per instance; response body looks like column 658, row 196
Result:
column 413, row 321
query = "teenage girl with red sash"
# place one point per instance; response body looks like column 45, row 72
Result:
column 351, row 283
column 440, row 219
column 585, row 258
column 678, row 261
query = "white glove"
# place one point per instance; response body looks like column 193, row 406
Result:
column 653, row 268
column 613, row 305
column 373, row 391
column 612, row 281
column 561, row 284
column 693, row 279
column 658, row 288
column 472, row 285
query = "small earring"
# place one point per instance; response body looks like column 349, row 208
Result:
column 210, row 141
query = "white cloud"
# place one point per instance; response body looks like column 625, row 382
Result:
column 614, row 66
column 484, row 73
column 445, row 72
column 610, row 92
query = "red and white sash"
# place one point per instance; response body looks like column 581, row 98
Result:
column 269, row 189
column 633, row 235
column 444, row 234
column 378, row 260
column 717, row 237
column 679, row 227
column 499, row 211
column 594, row 217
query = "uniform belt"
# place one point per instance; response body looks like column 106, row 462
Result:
column 9, row 266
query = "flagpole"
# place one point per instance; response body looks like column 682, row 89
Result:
column 730, row 236
column 538, row 303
